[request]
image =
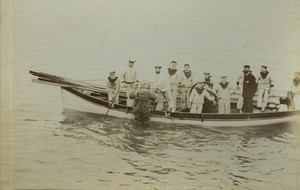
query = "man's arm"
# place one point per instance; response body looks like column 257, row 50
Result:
column 136, row 76
column 123, row 76
column 254, row 84
column 239, row 80
column 179, row 78
column 192, row 97
column 257, row 79
column 271, row 81
column 208, row 96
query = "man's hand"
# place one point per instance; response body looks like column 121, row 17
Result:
column 157, row 90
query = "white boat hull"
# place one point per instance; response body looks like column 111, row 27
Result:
column 74, row 102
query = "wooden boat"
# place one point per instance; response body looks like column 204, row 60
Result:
column 85, row 97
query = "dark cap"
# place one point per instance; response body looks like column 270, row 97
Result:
column 186, row 64
column 112, row 72
column 246, row 67
column 157, row 66
column 174, row 62
column 206, row 73
column 264, row 66
column 132, row 61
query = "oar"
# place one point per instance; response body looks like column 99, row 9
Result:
column 58, row 79
column 168, row 114
column 63, row 84
column 181, row 109
column 110, row 106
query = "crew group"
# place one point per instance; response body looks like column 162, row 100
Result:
column 167, row 86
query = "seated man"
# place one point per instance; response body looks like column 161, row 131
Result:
column 113, row 88
column 142, row 102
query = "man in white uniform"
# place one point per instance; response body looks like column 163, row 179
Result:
column 130, row 79
column 265, row 83
column 174, row 79
column 223, row 90
column 163, row 89
column 187, row 81
column 113, row 88
column 197, row 98
column 294, row 93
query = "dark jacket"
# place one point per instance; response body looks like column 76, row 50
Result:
column 142, row 101
column 249, row 86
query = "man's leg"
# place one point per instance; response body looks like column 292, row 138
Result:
column 245, row 105
column 248, row 105
column 199, row 109
column 260, row 97
column 297, row 102
column 221, row 106
column 193, row 108
column 183, row 97
column 110, row 97
column 174, row 92
column 116, row 99
column 129, row 90
column 265, row 99
column 169, row 99
column 187, row 96
column 227, row 106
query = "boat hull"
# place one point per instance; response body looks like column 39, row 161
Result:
column 80, row 102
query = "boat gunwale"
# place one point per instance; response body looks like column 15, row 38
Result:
column 189, row 116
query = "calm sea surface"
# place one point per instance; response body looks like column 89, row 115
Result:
column 53, row 149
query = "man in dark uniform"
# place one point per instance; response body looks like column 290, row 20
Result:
column 249, row 89
column 142, row 102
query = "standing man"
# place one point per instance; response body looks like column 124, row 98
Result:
column 163, row 89
column 142, row 102
column 197, row 98
column 265, row 83
column 249, row 89
column 187, row 81
column 174, row 80
column 239, row 88
column 294, row 93
column 113, row 87
column 130, row 78
column 223, row 90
